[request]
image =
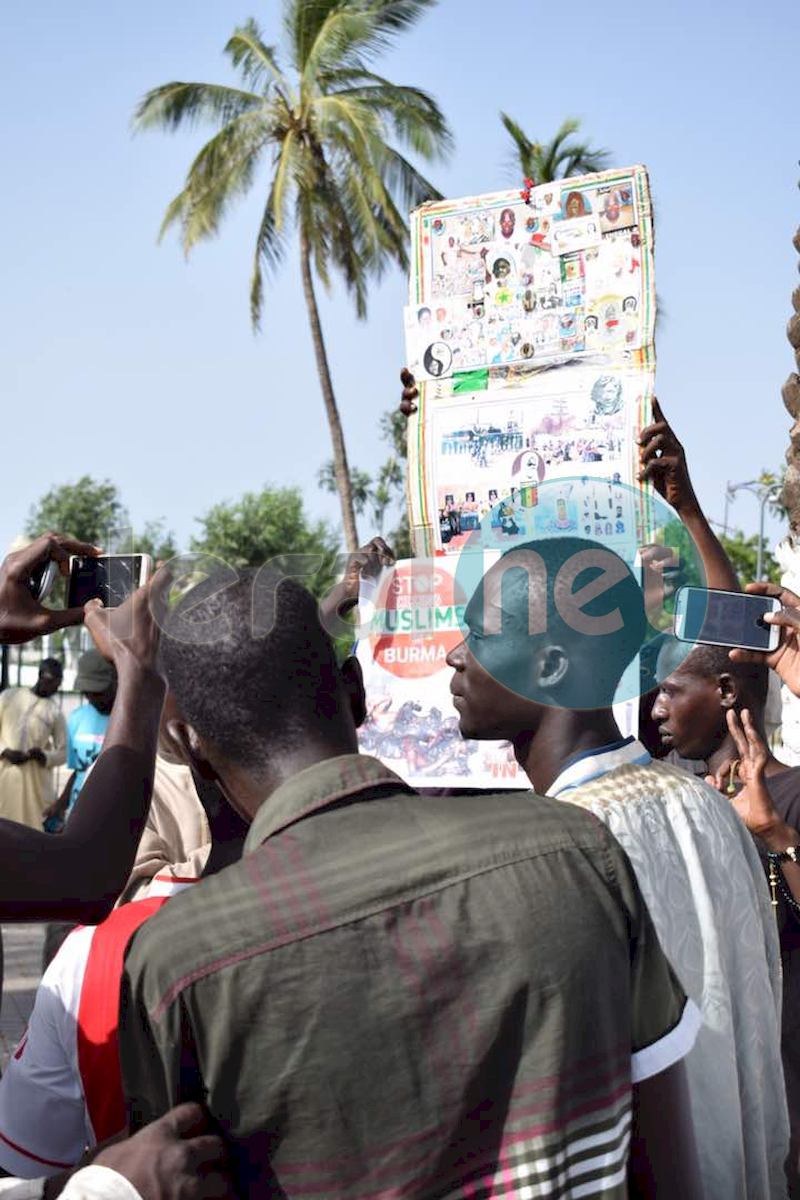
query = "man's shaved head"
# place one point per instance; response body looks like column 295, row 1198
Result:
column 250, row 666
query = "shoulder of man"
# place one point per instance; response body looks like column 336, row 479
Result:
column 530, row 817
column 175, row 938
column 182, row 939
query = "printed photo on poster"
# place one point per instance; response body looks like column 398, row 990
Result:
column 411, row 723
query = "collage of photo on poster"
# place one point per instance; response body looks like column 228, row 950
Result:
column 500, row 279
column 491, row 455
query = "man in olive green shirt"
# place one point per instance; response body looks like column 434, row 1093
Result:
column 393, row 993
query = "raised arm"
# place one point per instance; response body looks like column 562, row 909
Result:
column 78, row 876
column 368, row 561
column 663, row 462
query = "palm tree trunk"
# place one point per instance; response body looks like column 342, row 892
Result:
column 341, row 468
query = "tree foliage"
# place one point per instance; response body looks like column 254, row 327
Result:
column 544, row 162
column 262, row 526
column 743, row 553
column 157, row 541
column 89, row 509
column 92, row 510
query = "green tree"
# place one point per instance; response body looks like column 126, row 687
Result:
column 558, row 159
column 327, row 125
column 360, row 485
column 156, row 541
column 265, row 525
column 743, row 553
column 90, row 510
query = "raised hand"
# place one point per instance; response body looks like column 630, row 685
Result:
column 663, row 461
column 409, row 393
column 752, row 800
column 368, row 561
column 785, row 661
column 22, row 617
column 129, row 635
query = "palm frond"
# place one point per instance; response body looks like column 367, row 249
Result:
column 250, row 54
column 175, row 104
column 582, row 160
column 269, row 241
column 518, row 135
column 564, row 131
column 559, row 158
column 339, row 40
column 354, row 30
column 404, row 180
column 302, row 22
column 222, row 171
column 413, row 113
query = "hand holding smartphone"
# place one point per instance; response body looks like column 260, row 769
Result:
column 110, row 578
column 718, row 618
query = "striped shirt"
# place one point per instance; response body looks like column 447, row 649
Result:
column 396, row 995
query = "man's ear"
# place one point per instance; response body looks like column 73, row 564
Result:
column 190, row 748
column 728, row 690
column 353, row 681
column 550, row 667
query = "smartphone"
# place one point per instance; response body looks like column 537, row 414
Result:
column 109, row 577
column 718, row 618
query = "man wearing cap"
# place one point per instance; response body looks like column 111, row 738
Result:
column 32, row 743
column 86, row 728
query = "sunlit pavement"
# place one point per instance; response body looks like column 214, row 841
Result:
column 22, row 946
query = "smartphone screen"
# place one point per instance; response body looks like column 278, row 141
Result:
column 110, row 578
column 725, row 618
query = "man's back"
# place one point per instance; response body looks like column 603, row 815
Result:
column 400, row 993
column 704, row 886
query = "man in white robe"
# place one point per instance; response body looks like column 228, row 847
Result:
column 33, row 740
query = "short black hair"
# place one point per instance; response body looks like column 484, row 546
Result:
column 597, row 663
column 250, row 665
column 51, row 666
column 709, row 662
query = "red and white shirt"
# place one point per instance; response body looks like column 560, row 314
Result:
column 62, row 1089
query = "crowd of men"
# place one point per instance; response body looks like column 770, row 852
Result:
column 296, row 976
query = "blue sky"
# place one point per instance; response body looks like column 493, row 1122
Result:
column 120, row 359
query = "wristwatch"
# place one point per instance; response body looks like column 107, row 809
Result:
column 790, row 854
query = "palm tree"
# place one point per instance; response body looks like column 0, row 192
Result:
column 325, row 127
column 558, row 159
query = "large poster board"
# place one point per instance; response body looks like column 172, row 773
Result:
column 530, row 330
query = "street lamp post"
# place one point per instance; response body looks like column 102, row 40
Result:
column 765, row 492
